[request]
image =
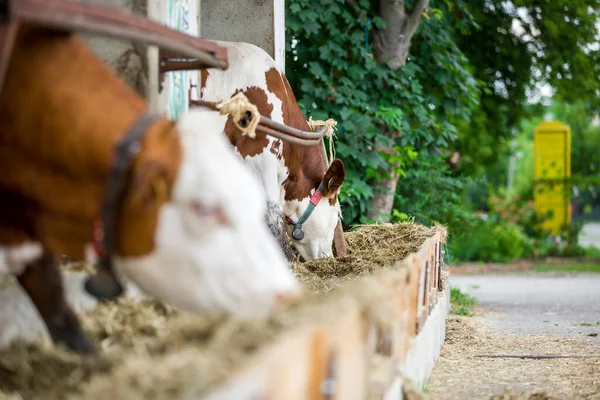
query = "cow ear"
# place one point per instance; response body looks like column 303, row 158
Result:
column 334, row 177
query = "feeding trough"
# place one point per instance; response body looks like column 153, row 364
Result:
column 368, row 322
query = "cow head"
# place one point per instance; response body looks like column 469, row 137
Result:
column 213, row 251
column 312, row 220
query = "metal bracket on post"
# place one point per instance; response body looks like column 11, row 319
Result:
column 169, row 61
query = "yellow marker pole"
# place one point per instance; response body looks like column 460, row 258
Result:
column 552, row 144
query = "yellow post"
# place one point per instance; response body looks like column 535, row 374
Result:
column 552, row 143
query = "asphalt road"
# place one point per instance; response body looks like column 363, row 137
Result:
column 590, row 235
column 558, row 303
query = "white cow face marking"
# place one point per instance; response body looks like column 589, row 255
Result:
column 319, row 228
column 213, row 249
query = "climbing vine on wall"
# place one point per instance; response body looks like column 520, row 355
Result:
column 330, row 64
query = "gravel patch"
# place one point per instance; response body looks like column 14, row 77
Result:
column 459, row 374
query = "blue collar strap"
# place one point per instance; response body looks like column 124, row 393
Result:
column 298, row 234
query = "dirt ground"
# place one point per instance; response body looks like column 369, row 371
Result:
column 459, row 374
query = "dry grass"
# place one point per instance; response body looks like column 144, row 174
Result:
column 151, row 351
column 370, row 249
column 460, row 375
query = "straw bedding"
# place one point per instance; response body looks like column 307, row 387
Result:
column 158, row 352
column 370, row 249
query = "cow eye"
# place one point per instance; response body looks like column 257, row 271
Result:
column 208, row 210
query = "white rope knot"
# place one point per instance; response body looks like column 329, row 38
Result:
column 330, row 133
column 238, row 106
column 330, row 124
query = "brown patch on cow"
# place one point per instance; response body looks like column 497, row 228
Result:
column 334, row 177
column 62, row 112
column 158, row 161
column 247, row 146
column 203, row 77
column 333, row 199
column 304, row 163
column 275, row 148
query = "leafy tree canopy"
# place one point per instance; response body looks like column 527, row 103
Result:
column 471, row 67
column 517, row 47
column 331, row 66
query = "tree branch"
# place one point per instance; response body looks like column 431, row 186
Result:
column 386, row 42
column 414, row 18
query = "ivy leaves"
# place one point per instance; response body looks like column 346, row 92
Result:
column 332, row 70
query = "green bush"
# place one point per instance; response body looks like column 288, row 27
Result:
column 461, row 303
column 431, row 195
column 490, row 240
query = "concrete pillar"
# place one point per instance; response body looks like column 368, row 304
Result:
column 138, row 63
column 129, row 59
column 260, row 22
column 182, row 15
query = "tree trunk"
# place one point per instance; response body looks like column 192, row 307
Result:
column 391, row 46
column 383, row 200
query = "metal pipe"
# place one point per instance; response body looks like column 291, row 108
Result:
column 282, row 136
column 276, row 129
column 113, row 22
column 293, row 131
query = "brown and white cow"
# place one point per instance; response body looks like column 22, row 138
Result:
column 200, row 244
column 289, row 173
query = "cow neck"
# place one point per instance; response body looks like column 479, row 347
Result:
column 57, row 86
column 304, row 164
column 305, row 170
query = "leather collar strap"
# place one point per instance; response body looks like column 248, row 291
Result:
column 4, row 11
column 105, row 284
column 298, row 234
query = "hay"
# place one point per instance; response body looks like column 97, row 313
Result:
column 370, row 249
column 195, row 357
column 80, row 266
column 531, row 395
column 149, row 350
column 42, row 369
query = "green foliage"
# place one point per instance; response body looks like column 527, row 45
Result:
column 568, row 267
column 461, row 303
column 464, row 87
column 517, row 47
column 510, row 230
column 431, row 195
column 494, row 241
column 516, row 211
column 585, row 140
column 585, row 160
column 334, row 75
